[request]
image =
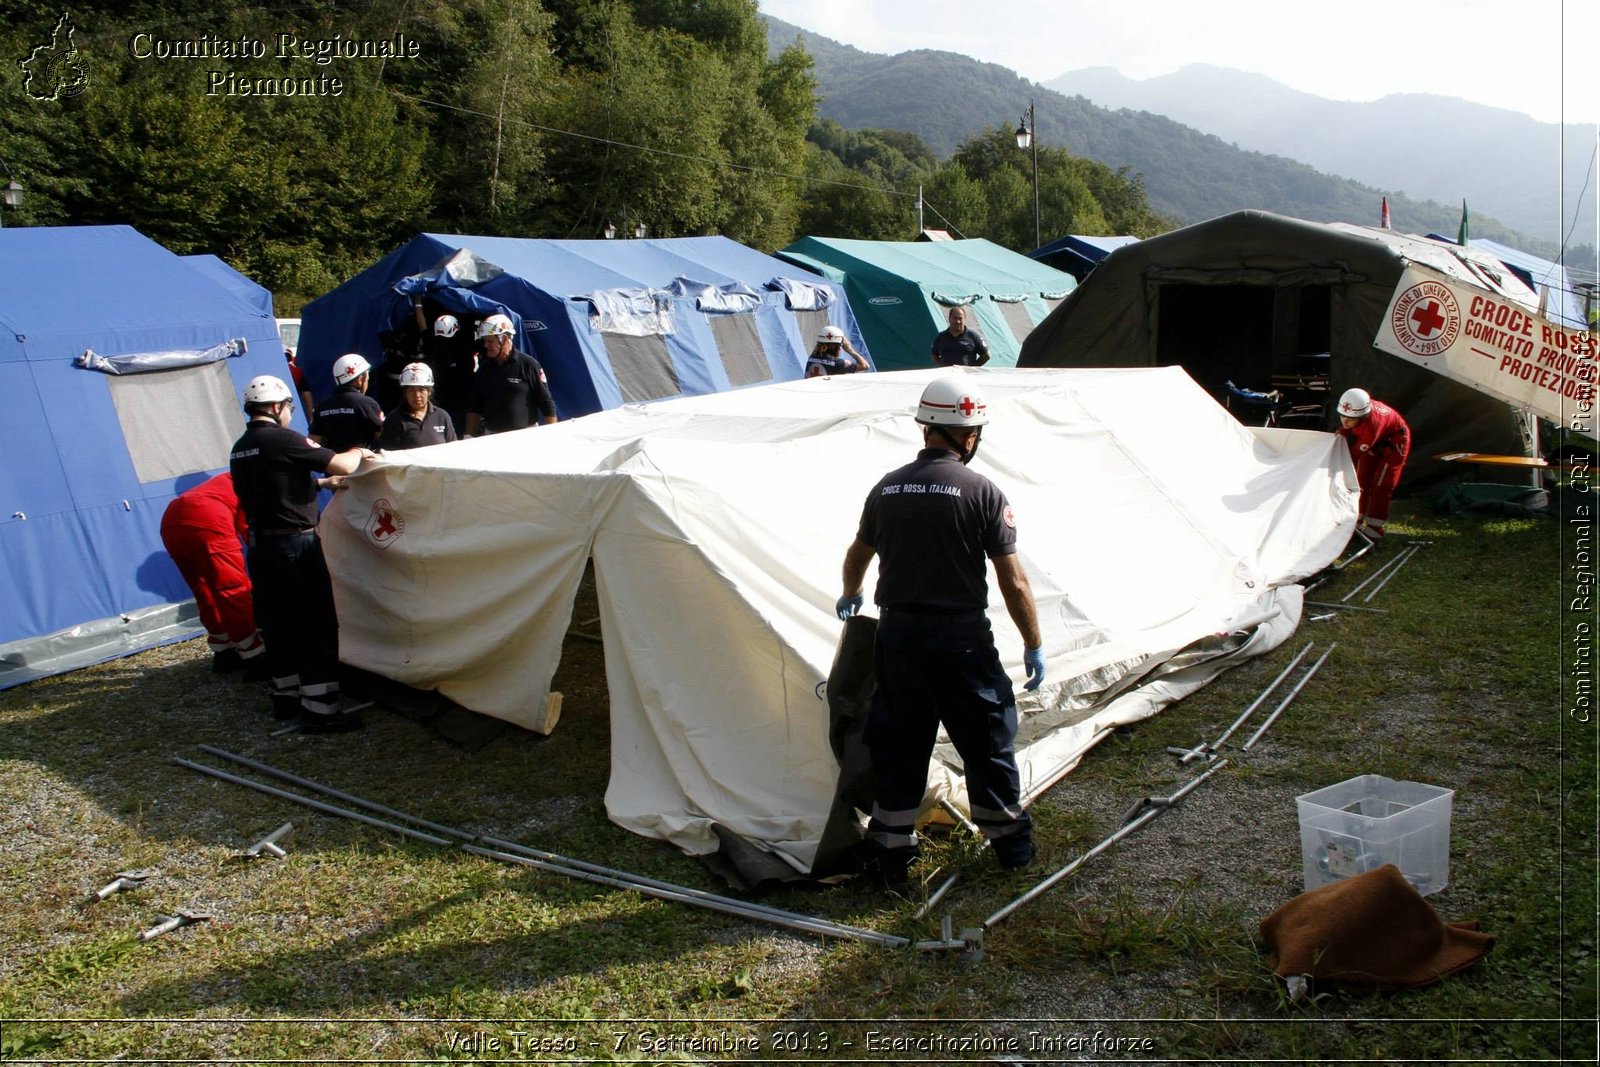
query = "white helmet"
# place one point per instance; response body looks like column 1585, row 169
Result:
column 348, row 367
column 1355, row 404
column 830, row 335
column 951, row 402
column 266, row 389
column 416, row 374
column 496, row 326
column 445, row 326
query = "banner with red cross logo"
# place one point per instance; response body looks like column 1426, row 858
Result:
column 1496, row 345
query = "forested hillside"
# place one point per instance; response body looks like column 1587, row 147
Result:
column 302, row 144
column 487, row 116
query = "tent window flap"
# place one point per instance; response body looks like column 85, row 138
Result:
column 739, row 345
column 643, row 367
column 178, row 421
column 1016, row 316
column 811, row 324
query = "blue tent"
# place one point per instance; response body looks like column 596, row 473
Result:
column 612, row 322
column 1077, row 254
column 253, row 293
column 1566, row 304
column 122, row 366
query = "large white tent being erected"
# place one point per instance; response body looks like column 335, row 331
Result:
column 1162, row 539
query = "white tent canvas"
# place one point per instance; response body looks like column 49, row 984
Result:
column 1149, row 522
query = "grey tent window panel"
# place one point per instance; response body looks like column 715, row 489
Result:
column 740, row 348
column 811, row 324
column 1050, row 303
column 1016, row 316
column 177, row 421
column 643, row 367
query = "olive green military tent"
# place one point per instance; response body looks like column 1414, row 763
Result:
column 901, row 292
column 1268, row 302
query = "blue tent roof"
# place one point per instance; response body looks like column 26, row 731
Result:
column 1565, row 306
column 79, row 529
column 548, row 286
column 240, row 285
column 1078, row 254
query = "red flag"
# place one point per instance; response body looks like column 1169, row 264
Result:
column 1387, row 224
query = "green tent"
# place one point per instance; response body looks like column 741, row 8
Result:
column 1266, row 303
column 901, row 291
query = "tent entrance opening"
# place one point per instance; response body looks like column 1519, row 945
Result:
column 1257, row 339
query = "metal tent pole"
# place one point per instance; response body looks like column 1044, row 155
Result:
column 1189, row 755
column 1285, row 702
column 552, row 863
column 1155, row 809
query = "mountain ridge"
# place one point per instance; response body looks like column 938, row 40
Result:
column 1425, row 145
column 1189, row 174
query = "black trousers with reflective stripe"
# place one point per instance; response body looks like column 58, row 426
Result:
column 934, row 670
column 294, row 608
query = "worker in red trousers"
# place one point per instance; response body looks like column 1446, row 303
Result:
column 1379, row 441
column 201, row 530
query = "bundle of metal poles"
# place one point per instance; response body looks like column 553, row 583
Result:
column 509, row 852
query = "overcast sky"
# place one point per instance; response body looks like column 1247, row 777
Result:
column 1523, row 55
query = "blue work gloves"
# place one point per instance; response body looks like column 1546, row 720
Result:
column 1033, row 660
column 847, row 606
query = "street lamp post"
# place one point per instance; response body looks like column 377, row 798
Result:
column 12, row 194
column 1028, row 137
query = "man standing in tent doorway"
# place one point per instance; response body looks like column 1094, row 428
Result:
column 959, row 346
column 510, row 391
column 1380, row 441
column 932, row 524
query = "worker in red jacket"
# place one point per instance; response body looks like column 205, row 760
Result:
column 1380, row 441
column 201, row 530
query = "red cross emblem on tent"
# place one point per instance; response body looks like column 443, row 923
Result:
column 1426, row 319
column 385, row 524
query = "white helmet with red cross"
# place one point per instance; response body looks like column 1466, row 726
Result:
column 496, row 325
column 949, row 401
column 1355, row 404
column 348, row 367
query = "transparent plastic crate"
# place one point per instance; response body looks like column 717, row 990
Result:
column 1367, row 821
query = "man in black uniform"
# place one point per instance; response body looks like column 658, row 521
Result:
column 349, row 418
column 932, row 523
column 452, row 355
column 417, row 422
column 509, row 391
column 959, row 346
column 274, row 472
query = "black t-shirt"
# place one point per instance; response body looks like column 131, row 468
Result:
column 962, row 351
column 827, row 366
column 401, row 429
column 275, row 474
column 451, row 360
column 934, row 524
column 348, row 419
column 512, row 394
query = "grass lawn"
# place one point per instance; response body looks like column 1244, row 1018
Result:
column 361, row 945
